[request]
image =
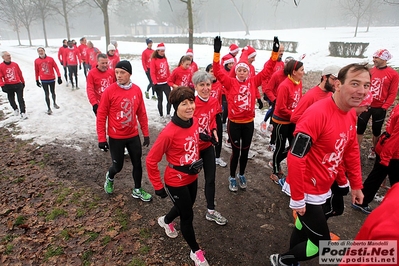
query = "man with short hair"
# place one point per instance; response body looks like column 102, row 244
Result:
column 62, row 59
column 325, row 137
column 120, row 107
column 384, row 87
column 82, row 49
column 98, row 80
column 146, row 60
column 72, row 59
column 12, row 82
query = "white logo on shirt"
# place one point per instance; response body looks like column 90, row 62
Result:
column 334, row 159
column 10, row 74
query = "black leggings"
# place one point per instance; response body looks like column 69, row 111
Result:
column 219, row 128
column 85, row 69
column 378, row 117
column 377, row 176
column 150, row 85
column 283, row 132
column 224, row 106
column 13, row 89
column 160, row 89
column 240, row 136
column 73, row 71
column 46, row 86
column 334, row 205
column 117, row 150
column 309, row 230
column 183, row 199
column 66, row 73
column 209, row 168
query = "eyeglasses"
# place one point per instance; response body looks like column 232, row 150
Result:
column 332, row 78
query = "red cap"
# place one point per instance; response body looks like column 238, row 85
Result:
column 161, row 46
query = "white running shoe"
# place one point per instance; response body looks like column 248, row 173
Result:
column 199, row 258
column 220, row 162
column 169, row 228
column 16, row 112
column 24, row 116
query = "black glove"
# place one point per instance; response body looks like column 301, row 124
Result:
column 161, row 192
column 213, row 140
column 276, row 44
column 80, row 67
column 95, row 107
column 146, row 141
column 23, row 85
column 260, row 103
column 103, row 146
column 342, row 191
column 265, row 97
column 204, row 136
column 59, row 81
column 61, row 63
column 217, row 44
column 38, row 84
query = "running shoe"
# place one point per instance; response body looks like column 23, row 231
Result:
column 216, row 217
column 242, row 181
column 108, row 185
column 365, row 209
column 233, row 184
column 371, row 155
column 140, row 193
column 220, row 162
column 199, row 258
column 170, row 229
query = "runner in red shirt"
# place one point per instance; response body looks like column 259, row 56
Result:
column 91, row 55
column 113, row 59
column 325, row 137
column 181, row 75
column 146, row 62
column 98, row 80
column 44, row 69
column 178, row 141
column 72, row 57
column 120, row 107
column 82, row 49
column 62, row 60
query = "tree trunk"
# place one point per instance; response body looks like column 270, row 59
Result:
column 44, row 30
column 190, row 24
column 357, row 26
column 106, row 26
column 242, row 18
column 64, row 9
column 19, row 38
column 368, row 23
column 30, row 38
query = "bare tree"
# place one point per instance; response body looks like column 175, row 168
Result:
column 8, row 14
column 44, row 13
column 103, row 5
column 190, row 22
column 356, row 8
column 26, row 13
column 241, row 17
column 64, row 8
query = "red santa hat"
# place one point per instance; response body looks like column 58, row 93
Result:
column 383, row 54
column 233, row 48
column 190, row 52
column 250, row 51
column 161, row 46
column 227, row 59
column 367, row 100
column 243, row 61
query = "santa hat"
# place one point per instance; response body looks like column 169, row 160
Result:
column 367, row 100
column 190, row 52
column 161, row 46
column 383, row 54
column 250, row 51
column 243, row 61
column 227, row 59
column 233, row 48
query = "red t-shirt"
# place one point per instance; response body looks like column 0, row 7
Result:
column 44, row 68
column 384, row 87
column 206, row 112
column 180, row 146
column 313, row 95
column 121, row 108
column 333, row 134
column 10, row 74
column 96, row 83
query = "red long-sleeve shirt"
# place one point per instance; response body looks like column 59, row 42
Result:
column 72, row 56
column 279, row 66
column 384, row 87
column 241, row 95
column 313, row 95
column 271, row 88
column 96, row 83
column 217, row 92
column 10, row 74
column 180, row 77
column 389, row 149
column 288, row 96
column 333, row 134
column 91, row 56
column 121, row 108
column 112, row 61
column 180, row 145
column 44, row 68
column 206, row 112
column 159, row 70
column 193, row 67
column 61, row 57
column 82, row 49
column 146, row 58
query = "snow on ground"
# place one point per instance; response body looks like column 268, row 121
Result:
column 74, row 122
